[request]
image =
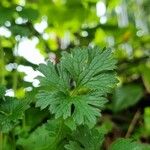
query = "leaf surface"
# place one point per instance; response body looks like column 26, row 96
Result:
column 126, row 96
column 76, row 87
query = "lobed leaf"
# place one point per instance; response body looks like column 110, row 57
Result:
column 85, row 139
column 10, row 111
column 76, row 87
column 45, row 137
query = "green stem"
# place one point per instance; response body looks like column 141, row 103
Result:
column 2, row 81
column 24, row 122
column 58, row 136
column 2, row 64
column 75, row 91
column 1, row 141
column 15, row 74
column 15, row 80
column 15, row 77
column 13, row 140
column 4, row 139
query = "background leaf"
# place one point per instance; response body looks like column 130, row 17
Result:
column 124, row 144
column 126, row 96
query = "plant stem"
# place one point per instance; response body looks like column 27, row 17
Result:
column 15, row 76
column 2, row 64
column 13, row 140
column 59, row 131
column 15, row 80
column 58, row 136
column 2, row 81
column 133, row 123
column 53, row 146
column 1, row 141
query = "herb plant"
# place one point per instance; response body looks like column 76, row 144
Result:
column 64, row 112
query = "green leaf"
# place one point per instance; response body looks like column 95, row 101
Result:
column 126, row 96
column 20, row 30
column 40, row 139
column 85, row 139
column 2, row 91
column 10, row 111
column 6, row 14
column 76, row 87
column 61, row 105
column 87, row 65
column 33, row 117
column 53, row 80
column 145, row 71
column 147, row 119
column 128, row 144
column 70, row 123
column 84, row 112
column 46, row 137
column 29, row 13
column 73, row 146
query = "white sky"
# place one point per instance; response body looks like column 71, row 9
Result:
column 27, row 49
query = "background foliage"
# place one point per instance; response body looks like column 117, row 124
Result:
column 120, row 24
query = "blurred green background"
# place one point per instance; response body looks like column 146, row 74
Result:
column 35, row 31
